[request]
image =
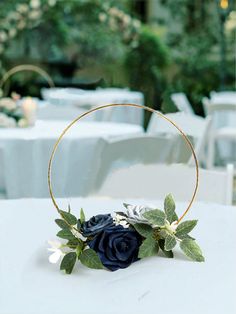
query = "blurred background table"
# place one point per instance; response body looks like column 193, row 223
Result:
column 25, row 154
column 67, row 103
column 30, row 284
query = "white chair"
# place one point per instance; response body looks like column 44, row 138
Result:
column 225, row 133
column 127, row 151
column 192, row 125
column 155, row 181
column 182, row 103
column 201, row 146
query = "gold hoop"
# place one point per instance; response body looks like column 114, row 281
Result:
column 123, row 105
column 26, row 67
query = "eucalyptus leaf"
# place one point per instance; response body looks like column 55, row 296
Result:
column 68, row 262
column 66, row 234
column 71, row 219
column 168, row 254
column 144, row 230
column 62, row 224
column 169, row 207
column 170, row 242
column 90, row 259
column 192, row 250
column 149, row 247
column 155, row 217
column 82, row 216
column 185, row 227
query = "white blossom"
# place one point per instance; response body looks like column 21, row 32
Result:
column 3, row 36
column 6, row 122
column 22, row 123
column 12, row 32
column 57, row 253
column 22, row 8
column 7, row 103
column 52, row 3
column 120, row 220
column 35, row 4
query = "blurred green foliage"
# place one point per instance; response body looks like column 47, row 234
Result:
column 103, row 39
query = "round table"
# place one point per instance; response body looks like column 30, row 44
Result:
column 30, row 284
column 24, row 156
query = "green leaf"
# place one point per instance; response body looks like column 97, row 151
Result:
column 169, row 207
column 79, row 249
column 90, row 259
column 155, row 217
column 71, row 219
column 168, row 254
column 185, row 236
column 62, row 224
column 149, row 247
column 82, row 216
column 170, row 242
column 185, row 227
column 192, row 250
column 143, row 229
column 68, row 262
column 66, row 234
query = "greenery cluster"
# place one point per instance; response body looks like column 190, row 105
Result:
column 77, row 246
column 161, row 231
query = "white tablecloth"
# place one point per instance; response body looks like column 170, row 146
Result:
column 66, row 103
column 30, row 285
column 24, row 156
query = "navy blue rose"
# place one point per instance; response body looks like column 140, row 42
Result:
column 116, row 246
column 96, row 224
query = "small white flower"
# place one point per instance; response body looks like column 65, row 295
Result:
column 52, row 3
column 6, row 122
column 35, row 4
column 7, row 103
column 22, row 8
column 21, row 25
column 57, row 252
column 22, row 123
column 3, row 36
column 102, row 17
column 34, row 14
column 120, row 220
column 12, row 32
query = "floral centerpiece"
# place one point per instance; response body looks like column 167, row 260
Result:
column 11, row 114
column 114, row 241
column 118, row 240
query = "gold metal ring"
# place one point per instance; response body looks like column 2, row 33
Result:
column 124, row 105
column 26, row 67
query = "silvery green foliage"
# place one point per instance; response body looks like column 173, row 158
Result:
column 135, row 213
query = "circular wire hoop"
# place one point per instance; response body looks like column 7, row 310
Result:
column 27, row 68
column 124, row 105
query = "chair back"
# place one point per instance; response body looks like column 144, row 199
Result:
column 155, row 181
column 182, row 103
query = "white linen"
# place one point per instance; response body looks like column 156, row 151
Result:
column 30, row 285
column 67, row 100
column 25, row 155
